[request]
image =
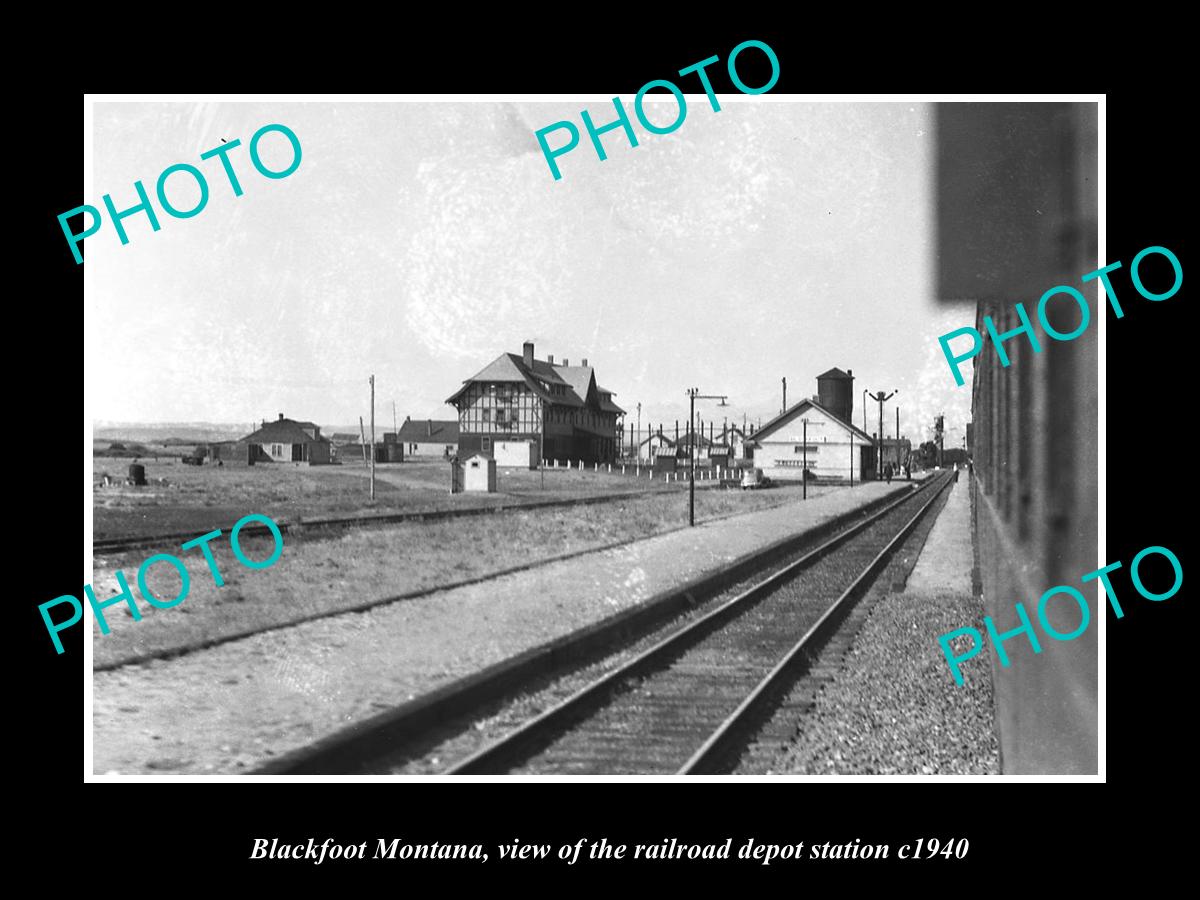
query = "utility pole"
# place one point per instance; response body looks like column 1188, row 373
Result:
column 852, row 459
column 637, row 437
column 692, row 480
column 783, row 408
column 395, row 427
column 693, row 394
column 372, row 437
column 880, row 396
column 804, row 464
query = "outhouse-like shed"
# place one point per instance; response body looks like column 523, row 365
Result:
column 479, row 472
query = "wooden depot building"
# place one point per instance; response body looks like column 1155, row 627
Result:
column 520, row 409
column 834, row 450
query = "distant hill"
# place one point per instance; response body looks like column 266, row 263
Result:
column 179, row 434
column 170, row 433
column 381, row 428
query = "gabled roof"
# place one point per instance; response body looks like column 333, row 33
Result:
column 508, row 367
column 783, row 418
column 836, row 373
column 606, row 402
column 284, row 431
column 582, row 382
column 428, row 431
column 657, row 437
column 579, row 381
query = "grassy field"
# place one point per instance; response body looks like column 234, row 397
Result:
column 201, row 498
column 319, row 575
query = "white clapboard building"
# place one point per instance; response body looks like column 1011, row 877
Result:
column 817, row 434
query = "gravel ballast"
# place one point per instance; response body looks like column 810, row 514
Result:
column 893, row 708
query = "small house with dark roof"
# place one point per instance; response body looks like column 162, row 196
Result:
column 811, row 435
column 287, row 440
column 521, row 409
column 655, row 445
column 735, row 439
column 429, row 438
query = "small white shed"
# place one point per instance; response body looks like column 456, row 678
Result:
column 479, row 473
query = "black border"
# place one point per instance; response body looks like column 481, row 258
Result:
column 212, row 828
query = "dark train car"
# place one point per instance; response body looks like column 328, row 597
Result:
column 1017, row 216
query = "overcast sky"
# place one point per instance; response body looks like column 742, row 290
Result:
column 420, row 240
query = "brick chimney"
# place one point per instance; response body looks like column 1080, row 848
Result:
column 528, row 354
column 281, row 417
column 566, row 362
column 429, row 427
column 550, row 358
column 584, row 363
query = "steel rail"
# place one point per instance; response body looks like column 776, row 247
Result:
column 492, row 755
column 706, row 760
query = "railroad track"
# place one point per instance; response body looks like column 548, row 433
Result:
column 692, row 702
column 455, row 719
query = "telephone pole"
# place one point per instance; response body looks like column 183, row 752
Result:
column 372, row 437
column 693, row 395
column 881, row 396
column 804, row 464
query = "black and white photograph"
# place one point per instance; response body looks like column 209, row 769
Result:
column 534, row 437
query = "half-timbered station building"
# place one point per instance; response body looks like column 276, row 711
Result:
column 521, row 409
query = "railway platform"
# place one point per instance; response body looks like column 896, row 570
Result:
column 640, row 570
column 233, row 706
